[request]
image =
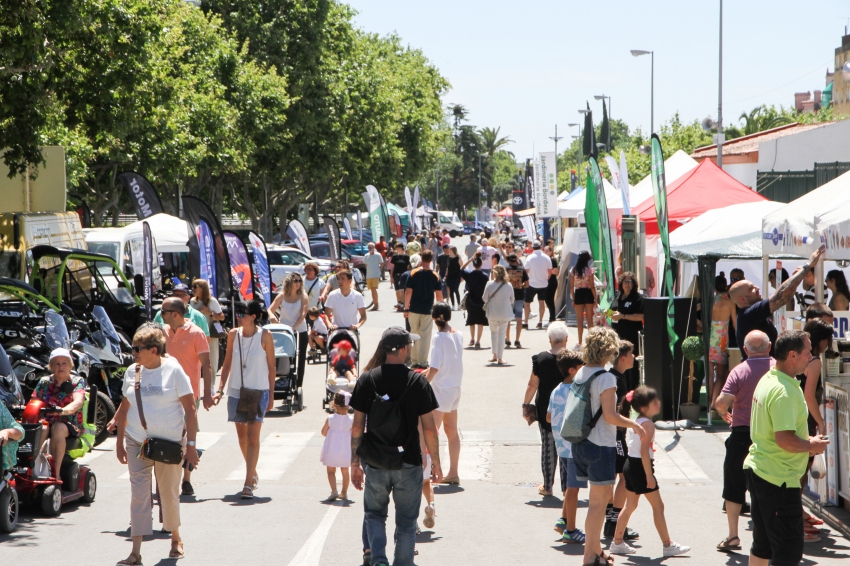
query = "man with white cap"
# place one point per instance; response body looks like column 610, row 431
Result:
column 396, row 399
column 64, row 391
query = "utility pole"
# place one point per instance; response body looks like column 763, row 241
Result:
column 720, row 135
column 555, row 139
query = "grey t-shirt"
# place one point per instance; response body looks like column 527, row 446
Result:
column 470, row 249
column 603, row 434
column 373, row 265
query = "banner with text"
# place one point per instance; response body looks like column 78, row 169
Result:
column 240, row 269
column 142, row 194
column 262, row 273
column 298, row 234
column 546, row 185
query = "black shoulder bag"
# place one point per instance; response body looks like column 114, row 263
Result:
column 249, row 399
column 156, row 449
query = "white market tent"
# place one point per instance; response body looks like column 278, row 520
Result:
column 171, row 233
column 795, row 229
column 733, row 231
column 574, row 205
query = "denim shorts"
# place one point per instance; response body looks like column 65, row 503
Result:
column 518, row 309
column 597, row 464
column 233, row 402
column 570, row 480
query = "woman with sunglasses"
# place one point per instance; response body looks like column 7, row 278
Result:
column 290, row 308
column 207, row 305
column 628, row 319
column 168, row 407
column 250, row 359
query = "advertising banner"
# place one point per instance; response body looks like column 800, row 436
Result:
column 298, row 234
column 529, row 224
column 659, row 191
column 262, row 273
column 195, row 210
column 142, row 194
column 207, row 249
column 625, row 189
column 831, row 453
column 415, row 213
column 334, row 242
column 147, row 245
column 376, row 215
column 360, row 225
column 347, row 226
column 842, row 448
column 240, row 268
column 546, row 185
column 596, row 212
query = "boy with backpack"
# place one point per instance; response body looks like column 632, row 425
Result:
column 569, row 362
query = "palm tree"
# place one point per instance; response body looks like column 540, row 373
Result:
column 762, row 118
column 491, row 141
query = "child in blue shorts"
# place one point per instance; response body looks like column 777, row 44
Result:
column 569, row 362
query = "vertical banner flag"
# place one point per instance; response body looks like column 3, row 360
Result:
column 415, row 206
column 261, row 267
column 614, row 169
column 624, row 184
column 334, row 242
column 396, row 219
column 205, row 242
column 142, row 194
column 360, row 225
column 385, row 216
column 373, row 207
column 147, row 245
column 298, row 234
column 519, row 202
column 596, row 192
column 347, row 226
column 546, row 185
column 659, row 190
column 408, row 200
column 240, row 269
column 195, row 210
column 529, row 224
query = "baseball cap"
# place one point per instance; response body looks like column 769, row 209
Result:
column 181, row 287
column 60, row 353
column 396, row 337
column 535, row 245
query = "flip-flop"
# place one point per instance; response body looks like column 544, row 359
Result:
column 131, row 560
column 176, row 550
column 332, row 497
column 812, row 520
column 249, row 494
column 452, row 480
column 726, row 544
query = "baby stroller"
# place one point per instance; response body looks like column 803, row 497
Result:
column 334, row 337
column 286, row 360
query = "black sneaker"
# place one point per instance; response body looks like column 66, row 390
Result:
column 609, row 529
column 367, row 558
column 187, row 489
column 629, row 534
column 517, row 344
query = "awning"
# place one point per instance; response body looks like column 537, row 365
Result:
column 171, row 233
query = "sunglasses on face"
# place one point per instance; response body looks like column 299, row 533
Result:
column 196, row 285
column 138, row 349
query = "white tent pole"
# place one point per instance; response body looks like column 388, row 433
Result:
column 764, row 280
column 819, row 276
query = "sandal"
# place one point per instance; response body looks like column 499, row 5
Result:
column 811, row 537
column 812, row 520
column 606, row 558
column 809, row 530
column 471, row 343
column 451, row 480
column 492, row 360
column 478, row 345
column 726, row 544
column 132, row 560
column 247, row 492
column 332, row 497
column 501, row 363
column 176, row 550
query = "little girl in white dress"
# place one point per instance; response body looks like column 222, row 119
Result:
column 336, row 451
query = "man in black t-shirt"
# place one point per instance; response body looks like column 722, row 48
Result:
column 423, row 287
column 400, row 262
column 442, row 267
column 519, row 281
column 394, row 381
column 756, row 313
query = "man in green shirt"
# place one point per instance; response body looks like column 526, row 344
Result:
column 194, row 316
column 10, row 433
column 779, row 455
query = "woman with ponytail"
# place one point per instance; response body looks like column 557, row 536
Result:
column 445, row 373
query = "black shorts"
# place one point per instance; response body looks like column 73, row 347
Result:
column 635, row 476
column 583, row 297
column 530, row 292
column 734, row 479
column 73, row 429
column 777, row 514
column 397, row 281
column 622, row 450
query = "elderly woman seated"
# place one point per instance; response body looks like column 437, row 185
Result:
column 66, row 392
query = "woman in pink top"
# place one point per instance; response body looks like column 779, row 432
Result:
column 583, row 292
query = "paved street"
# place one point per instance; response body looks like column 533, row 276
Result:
column 494, row 517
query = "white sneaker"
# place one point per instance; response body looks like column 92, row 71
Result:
column 624, row 548
column 675, row 549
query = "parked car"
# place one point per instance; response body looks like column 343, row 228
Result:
column 321, row 249
column 355, row 247
column 284, row 260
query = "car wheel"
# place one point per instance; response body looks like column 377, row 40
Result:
column 104, row 412
column 51, row 501
column 9, row 508
column 90, row 487
column 453, row 233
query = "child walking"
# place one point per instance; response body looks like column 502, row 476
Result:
column 336, row 451
column 639, row 472
column 569, row 362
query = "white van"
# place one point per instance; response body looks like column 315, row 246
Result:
column 126, row 248
column 448, row 221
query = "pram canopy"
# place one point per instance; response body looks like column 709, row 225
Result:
column 284, row 340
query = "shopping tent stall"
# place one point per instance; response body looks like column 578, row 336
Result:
column 674, row 167
column 704, row 188
column 171, row 233
column 574, row 203
column 403, row 215
column 505, row 212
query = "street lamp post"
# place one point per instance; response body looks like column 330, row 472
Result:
column 480, row 155
column 578, row 161
column 720, row 135
column 638, row 53
column 608, row 141
column 583, row 112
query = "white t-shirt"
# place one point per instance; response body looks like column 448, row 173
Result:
column 320, row 326
column 633, row 441
column 345, row 308
column 314, row 289
column 373, row 265
column 603, row 434
column 161, row 389
column 487, row 253
column 447, row 358
column 538, row 265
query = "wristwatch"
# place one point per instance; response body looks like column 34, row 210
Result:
column 190, row 443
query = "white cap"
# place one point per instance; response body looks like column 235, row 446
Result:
column 60, row 353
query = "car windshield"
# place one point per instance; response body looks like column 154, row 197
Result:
column 55, row 332
column 106, row 248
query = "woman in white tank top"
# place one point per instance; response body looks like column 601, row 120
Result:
column 249, row 363
column 290, row 308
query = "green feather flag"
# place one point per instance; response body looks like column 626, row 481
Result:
column 599, row 233
column 659, row 191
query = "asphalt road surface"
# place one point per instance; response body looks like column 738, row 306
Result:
column 494, row 517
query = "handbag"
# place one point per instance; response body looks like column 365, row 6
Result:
column 499, row 288
column 217, row 330
column 156, row 449
column 463, row 300
column 249, row 399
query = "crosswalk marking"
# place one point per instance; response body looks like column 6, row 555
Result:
column 675, row 464
column 311, row 552
column 203, row 440
column 277, row 452
column 107, row 445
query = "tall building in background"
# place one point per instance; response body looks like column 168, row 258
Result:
column 841, row 80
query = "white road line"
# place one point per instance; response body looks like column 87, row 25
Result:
column 311, row 552
column 107, row 445
column 676, row 463
column 204, row 441
column 277, row 452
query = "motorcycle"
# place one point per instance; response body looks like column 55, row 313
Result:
column 12, row 396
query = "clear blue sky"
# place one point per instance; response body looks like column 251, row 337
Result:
column 528, row 65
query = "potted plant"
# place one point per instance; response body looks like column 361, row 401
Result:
column 693, row 349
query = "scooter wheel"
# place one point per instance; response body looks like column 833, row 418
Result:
column 51, row 501
column 8, row 510
column 90, row 487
